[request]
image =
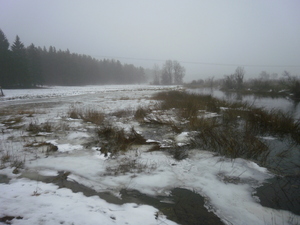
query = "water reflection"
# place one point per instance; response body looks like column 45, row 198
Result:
column 269, row 103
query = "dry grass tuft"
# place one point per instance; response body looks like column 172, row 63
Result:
column 123, row 113
column 141, row 113
column 115, row 139
column 12, row 122
column 9, row 160
column 36, row 128
column 87, row 115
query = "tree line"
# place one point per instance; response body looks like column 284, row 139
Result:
column 266, row 83
column 26, row 67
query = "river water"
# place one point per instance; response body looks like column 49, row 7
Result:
column 280, row 192
column 269, row 103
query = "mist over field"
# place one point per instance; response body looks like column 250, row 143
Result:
column 208, row 38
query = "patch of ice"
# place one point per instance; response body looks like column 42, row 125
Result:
column 208, row 115
column 181, row 144
column 182, row 137
column 68, row 147
column 45, row 172
column 268, row 138
column 151, row 141
column 41, row 203
column 44, row 133
column 78, row 135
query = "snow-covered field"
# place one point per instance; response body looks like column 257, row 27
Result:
column 227, row 185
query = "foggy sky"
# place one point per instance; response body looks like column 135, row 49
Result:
column 209, row 38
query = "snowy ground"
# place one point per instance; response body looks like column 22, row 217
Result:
column 227, row 185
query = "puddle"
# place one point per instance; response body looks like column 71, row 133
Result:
column 61, row 181
column 182, row 206
column 281, row 193
column 4, row 179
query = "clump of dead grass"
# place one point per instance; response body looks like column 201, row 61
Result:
column 232, row 142
column 114, row 140
column 35, row 128
column 122, row 113
column 86, row 114
column 13, row 122
column 49, row 146
column 141, row 113
column 189, row 103
column 128, row 165
column 7, row 159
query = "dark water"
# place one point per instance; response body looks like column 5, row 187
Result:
column 281, row 193
column 181, row 206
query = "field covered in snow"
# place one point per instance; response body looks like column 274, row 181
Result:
column 27, row 196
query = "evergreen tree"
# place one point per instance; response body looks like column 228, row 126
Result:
column 20, row 73
column 4, row 60
column 27, row 67
column 34, row 65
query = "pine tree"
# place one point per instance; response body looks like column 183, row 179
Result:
column 21, row 77
column 34, row 65
column 4, row 60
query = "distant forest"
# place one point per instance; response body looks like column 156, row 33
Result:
column 27, row 67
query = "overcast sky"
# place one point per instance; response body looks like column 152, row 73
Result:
column 209, row 38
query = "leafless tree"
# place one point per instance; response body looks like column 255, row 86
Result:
column 239, row 77
column 179, row 72
column 166, row 76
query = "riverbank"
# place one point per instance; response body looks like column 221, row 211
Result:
column 153, row 155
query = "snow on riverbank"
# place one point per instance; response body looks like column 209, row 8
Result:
column 61, row 91
column 227, row 185
column 39, row 203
